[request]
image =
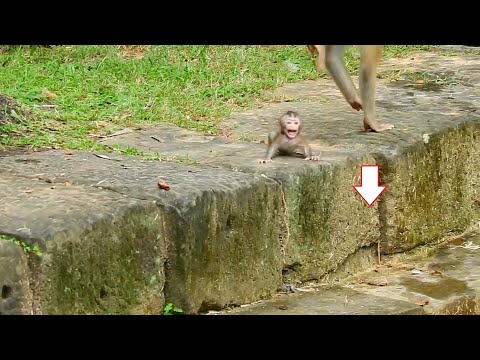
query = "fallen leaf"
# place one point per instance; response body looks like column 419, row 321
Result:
column 213, row 312
column 263, row 142
column 305, row 289
column 436, row 272
column 68, row 183
column 117, row 133
column 69, row 152
column 419, row 81
column 470, row 246
column 49, row 94
column 163, row 185
column 225, row 133
column 105, row 157
column 45, row 106
column 422, row 302
column 160, row 140
column 376, row 282
column 136, row 52
column 283, row 307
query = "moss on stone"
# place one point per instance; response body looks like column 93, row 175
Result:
column 15, row 296
column 110, row 269
column 224, row 248
column 328, row 220
column 432, row 190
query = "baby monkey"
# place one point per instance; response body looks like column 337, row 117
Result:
column 288, row 140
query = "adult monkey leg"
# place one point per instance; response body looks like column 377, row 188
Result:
column 369, row 59
column 338, row 71
column 320, row 51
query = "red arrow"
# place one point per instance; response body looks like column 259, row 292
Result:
column 370, row 188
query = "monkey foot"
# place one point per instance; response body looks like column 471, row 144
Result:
column 356, row 104
column 262, row 161
column 313, row 158
column 378, row 127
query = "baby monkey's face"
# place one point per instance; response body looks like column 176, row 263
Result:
column 291, row 126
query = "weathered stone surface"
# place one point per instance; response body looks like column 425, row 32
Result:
column 102, row 252
column 334, row 301
column 432, row 190
column 221, row 227
column 327, row 223
column 446, row 281
column 15, row 295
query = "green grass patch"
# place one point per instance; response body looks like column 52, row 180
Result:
column 73, row 94
column 148, row 156
column 33, row 249
column 420, row 77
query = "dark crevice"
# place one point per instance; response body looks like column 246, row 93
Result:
column 6, row 292
column 384, row 167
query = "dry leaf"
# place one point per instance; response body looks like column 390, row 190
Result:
column 163, row 185
column 136, row 52
column 49, row 94
column 305, row 289
column 69, row 152
column 283, row 307
column 378, row 267
column 225, row 133
column 67, row 183
column 419, row 81
column 422, row 302
column 118, row 133
column 376, row 282
column 160, row 140
column 105, row 157
column 436, row 272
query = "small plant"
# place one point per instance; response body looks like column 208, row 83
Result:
column 169, row 309
column 34, row 249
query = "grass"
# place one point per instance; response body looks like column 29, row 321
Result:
column 34, row 249
column 97, row 90
column 419, row 77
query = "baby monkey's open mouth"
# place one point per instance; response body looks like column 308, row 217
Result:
column 292, row 133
